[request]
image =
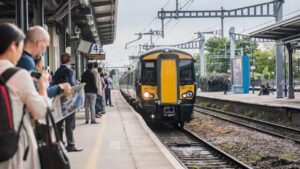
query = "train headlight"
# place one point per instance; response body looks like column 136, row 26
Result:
column 148, row 95
column 188, row 94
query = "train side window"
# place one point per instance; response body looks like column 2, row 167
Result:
column 149, row 72
column 186, row 71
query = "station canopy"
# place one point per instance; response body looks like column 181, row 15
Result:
column 287, row 31
column 95, row 18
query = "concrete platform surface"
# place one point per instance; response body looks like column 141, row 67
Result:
column 267, row 100
column 121, row 141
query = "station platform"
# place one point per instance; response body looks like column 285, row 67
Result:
column 265, row 100
column 121, row 140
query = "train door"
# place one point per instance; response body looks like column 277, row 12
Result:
column 168, row 79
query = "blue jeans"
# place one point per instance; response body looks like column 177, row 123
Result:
column 99, row 106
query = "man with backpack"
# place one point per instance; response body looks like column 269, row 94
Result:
column 20, row 102
column 64, row 74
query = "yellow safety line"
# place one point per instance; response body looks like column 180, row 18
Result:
column 96, row 149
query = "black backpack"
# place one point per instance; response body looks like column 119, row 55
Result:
column 9, row 137
column 63, row 76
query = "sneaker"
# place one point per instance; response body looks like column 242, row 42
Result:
column 98, row 115
column 111, row 105
column 94, row 122
column 72, row 149
column 87, row 122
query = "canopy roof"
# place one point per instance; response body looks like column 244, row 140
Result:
column 287, row 30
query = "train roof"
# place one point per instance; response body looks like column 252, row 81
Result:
column 164, row 50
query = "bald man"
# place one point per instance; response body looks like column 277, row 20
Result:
column 36, row 41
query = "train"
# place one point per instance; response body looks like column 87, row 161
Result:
column 161, row 85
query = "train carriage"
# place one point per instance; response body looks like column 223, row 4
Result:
column 162, row 86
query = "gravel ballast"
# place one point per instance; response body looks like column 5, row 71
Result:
column 254, row 148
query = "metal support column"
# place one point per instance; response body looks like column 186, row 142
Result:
column 62, row 39
column 291, row 94
column 70, row 18
column 22, row 14
column 232, row 43
column 279, row 53
column 26, row 18
column 252, row 68
column 285, row 75
column 222, row 22
column 202, row 57
column 39, row 12
column 19, row 14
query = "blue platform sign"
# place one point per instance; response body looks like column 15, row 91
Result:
column 240, row 74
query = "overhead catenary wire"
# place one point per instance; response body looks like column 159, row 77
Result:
column 155, row 17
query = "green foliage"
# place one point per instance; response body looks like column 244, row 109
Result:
column 217, row 46
column 225, row 107
column 265, row 62
column 247, row 45
column 266, row 73
column 256, row 158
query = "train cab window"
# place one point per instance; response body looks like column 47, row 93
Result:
column 149, row 72
column 186, row 71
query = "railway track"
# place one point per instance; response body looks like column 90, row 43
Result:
column 259, row 125
column 195, row 153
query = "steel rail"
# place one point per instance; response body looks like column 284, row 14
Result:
column 259, row 125
column 200, row 154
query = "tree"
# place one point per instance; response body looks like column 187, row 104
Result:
column 265, row 63
column 247, row 45
column 216, row 47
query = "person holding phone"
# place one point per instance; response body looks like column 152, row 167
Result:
column 36, row 41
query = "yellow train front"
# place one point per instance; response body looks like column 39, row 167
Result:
column 162, row 86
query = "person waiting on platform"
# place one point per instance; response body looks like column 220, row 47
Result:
column 264, row 90
column 23, row 94
column 226, row 84
column 90, row 90
column 103, row 90
column 109, row 85
column 64, row 74
column 98, row 104
column 36, row 41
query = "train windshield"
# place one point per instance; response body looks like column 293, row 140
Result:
column 186, row 71
column 149, row 72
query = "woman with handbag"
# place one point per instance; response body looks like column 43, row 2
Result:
column 23, row 94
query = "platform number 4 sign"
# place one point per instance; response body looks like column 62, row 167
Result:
column 96, row 49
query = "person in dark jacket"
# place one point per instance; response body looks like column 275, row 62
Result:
column 90, row 90
column 64, row 74
column 226, row 84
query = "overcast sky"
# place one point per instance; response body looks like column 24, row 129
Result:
column 134, row 16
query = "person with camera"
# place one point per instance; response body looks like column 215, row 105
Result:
column 25, row 95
